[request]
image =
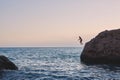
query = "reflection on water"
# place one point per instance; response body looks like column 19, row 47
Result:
column 54, row 64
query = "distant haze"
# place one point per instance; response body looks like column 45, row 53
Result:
column 45, row 23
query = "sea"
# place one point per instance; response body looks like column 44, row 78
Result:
column 54, row 63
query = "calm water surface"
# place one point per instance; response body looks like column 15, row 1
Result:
column 54, row 64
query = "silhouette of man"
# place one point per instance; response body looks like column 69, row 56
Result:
column 80, row 39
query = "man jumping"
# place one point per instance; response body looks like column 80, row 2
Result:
column 80, row 39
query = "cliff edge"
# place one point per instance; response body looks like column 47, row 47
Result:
column 103, row 49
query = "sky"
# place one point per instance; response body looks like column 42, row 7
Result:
column 55, row 23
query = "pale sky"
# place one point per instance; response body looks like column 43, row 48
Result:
column 45, row 23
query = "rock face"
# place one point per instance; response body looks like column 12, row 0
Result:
column 6, row 64
column 103, row 49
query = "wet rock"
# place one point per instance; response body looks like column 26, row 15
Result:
column 104, row 48
column 6, row 64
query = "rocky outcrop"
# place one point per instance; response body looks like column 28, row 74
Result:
column 6, row 64
column 104, row 48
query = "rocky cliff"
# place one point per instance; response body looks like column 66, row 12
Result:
column 104, row 48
